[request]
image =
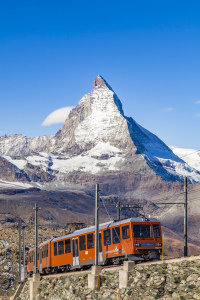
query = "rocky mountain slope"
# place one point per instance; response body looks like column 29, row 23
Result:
column 97, row 143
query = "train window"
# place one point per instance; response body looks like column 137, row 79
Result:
column 107, row 237
column 156, row 230
column 60, row 247
column 142, row 231
column 68, row 246
column 125, row 232
column 55, row 248
column 90, row 241
column 100, row 242
column 116, row 235
column 46, row 251
column 82, row 244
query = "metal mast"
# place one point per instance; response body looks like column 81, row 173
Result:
column 185, row 218
column 36, row 208
column 24, row 250
column 20, row 250
column 97, row 225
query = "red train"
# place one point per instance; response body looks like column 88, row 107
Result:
column 131, row 239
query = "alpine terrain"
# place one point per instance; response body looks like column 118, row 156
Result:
column 97, row 144
column 96, row 141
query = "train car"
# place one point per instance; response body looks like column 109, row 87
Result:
column 135, row 239
column 31, row 259
column 44, row 257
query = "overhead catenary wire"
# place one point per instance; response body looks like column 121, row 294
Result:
column 114, row 227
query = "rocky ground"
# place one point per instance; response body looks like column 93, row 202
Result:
column 9, row 253
column 178, row 281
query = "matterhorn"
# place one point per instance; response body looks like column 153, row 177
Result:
column 97, row 143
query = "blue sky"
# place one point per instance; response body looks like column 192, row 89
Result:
column 148, row 51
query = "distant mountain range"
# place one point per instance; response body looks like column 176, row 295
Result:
column 97, row 143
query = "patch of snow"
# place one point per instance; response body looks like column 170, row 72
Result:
column 19, row 163
column 190, row 156
column 85, row 164
column 14, row 185
column 102, row 149
column 5, row 243
column 37, row 160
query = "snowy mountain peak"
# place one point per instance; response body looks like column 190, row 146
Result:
column 97, row 138
column 100, row 83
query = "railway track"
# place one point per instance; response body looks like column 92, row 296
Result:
column 116, row 268
column 77, row 272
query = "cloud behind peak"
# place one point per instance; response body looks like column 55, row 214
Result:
column 57, row 116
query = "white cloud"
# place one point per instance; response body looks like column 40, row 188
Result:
column 168, row 109
column 197, row 102
column 57, row 116
column 197, row 115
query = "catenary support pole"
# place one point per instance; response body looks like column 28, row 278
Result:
column 24, row 250
column 36, row 239
column 118, row 211
column 185, row 218
column 20, row 250
column 163, row 246
column 97, row 225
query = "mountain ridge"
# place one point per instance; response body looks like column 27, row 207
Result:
column 96, row 140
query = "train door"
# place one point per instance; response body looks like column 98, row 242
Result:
column 40, row 255
column 100, row 248
column 75, row 252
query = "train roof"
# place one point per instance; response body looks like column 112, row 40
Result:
column 101, row 226
column 41, row 244
column 105, row 225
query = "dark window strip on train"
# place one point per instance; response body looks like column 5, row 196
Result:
column 68, row 246
column 82, row 244
column 55, row 248
column 143, row 231
column 60, row 247
column 90, row 241
column 107, row 237
column 125, row 232
column 116, row 235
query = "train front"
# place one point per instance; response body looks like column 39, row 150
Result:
column 147, row 240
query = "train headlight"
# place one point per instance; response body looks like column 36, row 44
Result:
column 137, row 245
column 158, row 245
